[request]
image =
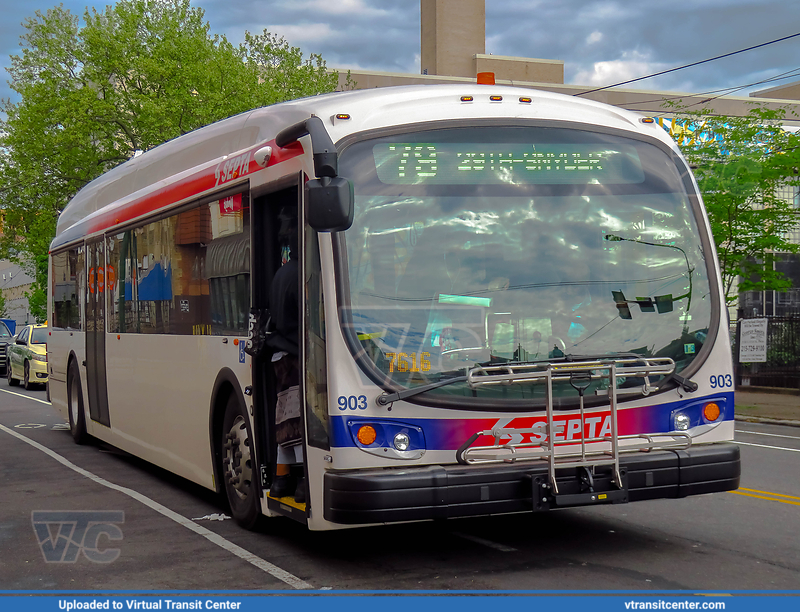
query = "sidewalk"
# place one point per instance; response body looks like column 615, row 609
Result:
column 768, row 407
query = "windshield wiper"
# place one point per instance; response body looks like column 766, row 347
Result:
column 388, row 398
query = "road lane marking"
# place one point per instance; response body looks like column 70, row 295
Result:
column 769, row 493
column 212, row 537
column 761, row 433
column 794, row 450
column 488, row 543
column 26, row 396
column 783, row 501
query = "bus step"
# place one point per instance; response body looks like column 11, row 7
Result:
column 288, row 507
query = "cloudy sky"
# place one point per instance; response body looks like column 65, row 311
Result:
column 601, row 42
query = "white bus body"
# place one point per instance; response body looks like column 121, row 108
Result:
column 509, row 248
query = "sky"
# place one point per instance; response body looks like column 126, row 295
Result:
column 601, row 42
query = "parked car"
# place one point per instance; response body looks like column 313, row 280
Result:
column 5, row 340
column 26, row 357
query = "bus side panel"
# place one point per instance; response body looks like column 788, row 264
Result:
column 60, row 343
column 159, row 390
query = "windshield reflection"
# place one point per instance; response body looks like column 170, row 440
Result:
column 439, row 283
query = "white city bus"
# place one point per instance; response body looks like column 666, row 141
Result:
column 510, row 303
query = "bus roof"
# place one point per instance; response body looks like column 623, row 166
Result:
column 205, row 148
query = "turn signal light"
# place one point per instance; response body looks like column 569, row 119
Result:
column 711, row 412
column 366, row 435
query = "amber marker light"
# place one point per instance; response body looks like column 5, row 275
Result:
column 496, row 98
column 366, row 435
column 711, row 411
column 236, row 342
column 343, row 116
column 648, row 120
column 526, row 100
column 467, row 98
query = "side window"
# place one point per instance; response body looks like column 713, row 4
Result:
column 120, row 281
column 23, row 337
column 228, row 264
column 187, row 274
column 67, row 289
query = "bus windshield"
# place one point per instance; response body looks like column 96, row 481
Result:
column 487, row 245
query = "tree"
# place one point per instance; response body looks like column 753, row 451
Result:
column 124, row 80
column 741, row 164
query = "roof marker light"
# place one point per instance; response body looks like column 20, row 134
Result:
column 342, row 116
column 526, row 100
column 496, row 98
column 647, row 120
column 467, row 98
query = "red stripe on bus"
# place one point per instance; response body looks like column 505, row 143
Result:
column 195, row 184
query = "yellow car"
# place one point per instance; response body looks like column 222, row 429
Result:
column 26, row 357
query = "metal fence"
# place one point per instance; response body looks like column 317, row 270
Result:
column 782, row 367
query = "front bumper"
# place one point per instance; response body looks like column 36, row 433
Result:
column 449, row 491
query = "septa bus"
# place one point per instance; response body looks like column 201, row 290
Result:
column 510, row 302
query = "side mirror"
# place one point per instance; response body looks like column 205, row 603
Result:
column 329, row 204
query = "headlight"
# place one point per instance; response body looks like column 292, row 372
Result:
column 36, row 357
column 682, row 422
column 401, row 441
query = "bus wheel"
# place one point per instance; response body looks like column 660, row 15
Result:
column 12, row 382
column 77, row 419
column 237, row 466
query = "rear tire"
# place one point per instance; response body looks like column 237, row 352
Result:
column 238, row 469
column 77, row 418
column 12, row 382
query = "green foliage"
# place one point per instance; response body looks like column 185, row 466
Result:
column 95, row 91
column 740, row 164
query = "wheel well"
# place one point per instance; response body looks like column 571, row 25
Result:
column 225, row 386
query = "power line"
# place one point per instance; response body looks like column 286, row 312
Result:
column 778, row 77
column 711, row 59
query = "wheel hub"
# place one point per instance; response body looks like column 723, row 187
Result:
column 238, row 471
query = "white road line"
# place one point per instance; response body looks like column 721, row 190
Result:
column 761, row 433
column 488, row 543
column 240, row 552
column 794, row 450
column 25, row 396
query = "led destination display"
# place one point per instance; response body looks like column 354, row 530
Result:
column 506, row 163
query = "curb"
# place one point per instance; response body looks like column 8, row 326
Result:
column 766, row 420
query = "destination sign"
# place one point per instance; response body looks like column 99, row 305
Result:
column 480, row 163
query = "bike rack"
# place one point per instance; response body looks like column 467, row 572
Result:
column 595, row 451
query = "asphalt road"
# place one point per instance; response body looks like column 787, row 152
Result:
column 749, row 539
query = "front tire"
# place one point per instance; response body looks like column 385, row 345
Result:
column 238, row 466
column 26, row 376
column 12, row 382
column 77, row 418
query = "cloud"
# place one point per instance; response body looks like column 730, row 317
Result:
column 594, row 37
column 339, row 7
column 632, row 65
column 304, row 34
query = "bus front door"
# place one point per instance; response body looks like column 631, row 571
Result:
column 96, row 332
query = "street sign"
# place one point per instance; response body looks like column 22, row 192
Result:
column 753, row 341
